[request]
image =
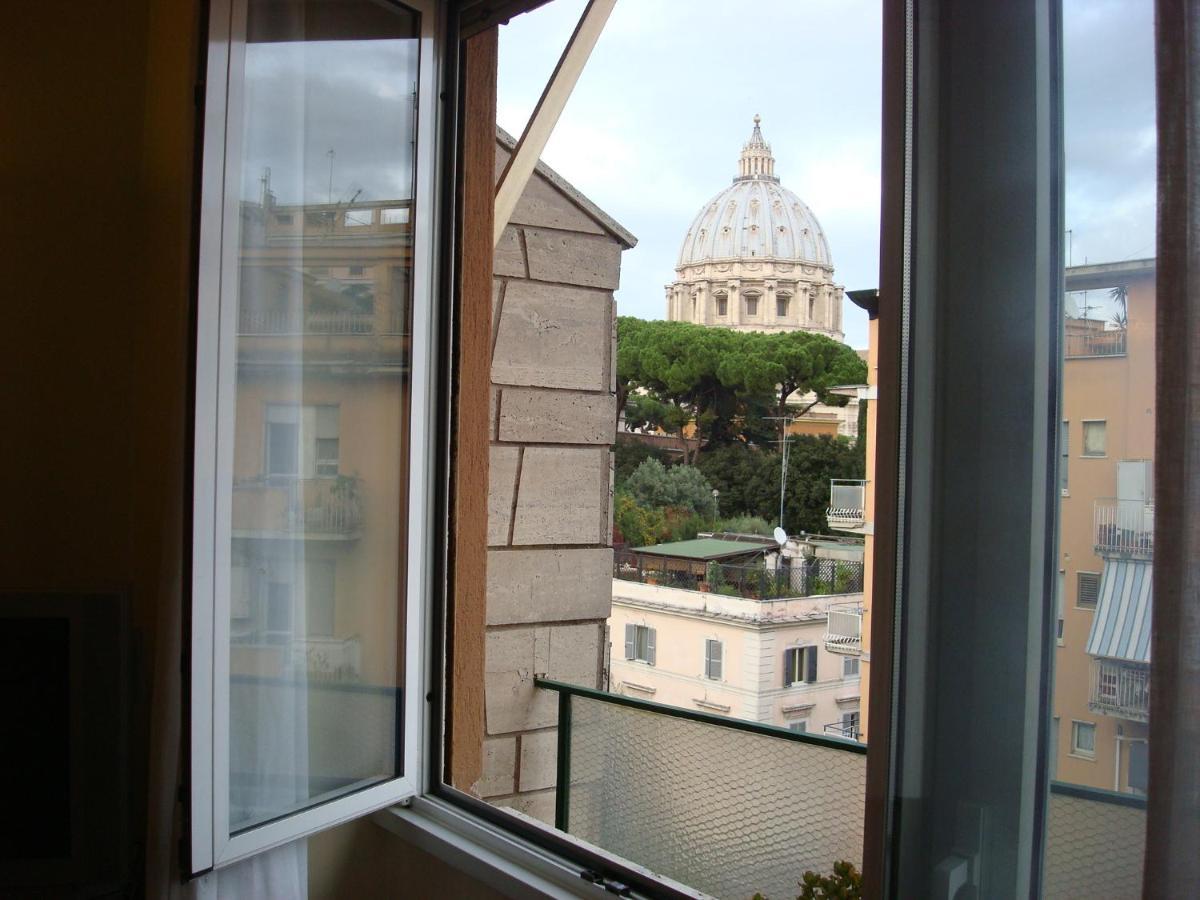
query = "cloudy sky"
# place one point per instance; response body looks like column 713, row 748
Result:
column 656, row 123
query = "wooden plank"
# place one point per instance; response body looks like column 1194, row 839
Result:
column 545, row 115
column 1172, row 867
column 467, row 616
column 877, row 822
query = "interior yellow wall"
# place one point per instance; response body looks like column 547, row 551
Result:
column 97, row 168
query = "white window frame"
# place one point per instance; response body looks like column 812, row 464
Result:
column 709, row 661
column 211, row 845
column 1076, row 750
column 846, row 665
column 1091, row 604
column 1083, row 454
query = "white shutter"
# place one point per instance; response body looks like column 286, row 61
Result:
column 630, row 636
column 715, row 652
column 650, row 652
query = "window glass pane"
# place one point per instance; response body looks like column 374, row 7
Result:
column 1095, row 438
column 1102, row 665
column 321, row 375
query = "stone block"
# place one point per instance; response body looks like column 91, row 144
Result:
column 515, row 656
column 557, row 417
column 527, row 586
column 509, row 258
column 502, row 480
column 499, row 767
column 553, row 336
column 539, row 755
column 562, row 497
column 538, row 806
column 581, row 259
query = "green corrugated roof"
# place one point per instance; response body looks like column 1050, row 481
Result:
column 704, row 548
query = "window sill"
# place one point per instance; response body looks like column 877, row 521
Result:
column 1085, row 758
column 512, row 865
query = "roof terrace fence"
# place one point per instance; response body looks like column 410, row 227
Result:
column 807, row 577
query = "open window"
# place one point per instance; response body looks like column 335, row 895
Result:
column 312, row 422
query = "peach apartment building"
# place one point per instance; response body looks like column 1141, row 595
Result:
column 1106, row 539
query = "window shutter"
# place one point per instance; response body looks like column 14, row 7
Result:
column 788, row 666
column 650, row 656
column 718, row 651
column 811, row 674
column 629, row 641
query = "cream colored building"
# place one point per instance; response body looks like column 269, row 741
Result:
column 772, row 660
column 1106, row 539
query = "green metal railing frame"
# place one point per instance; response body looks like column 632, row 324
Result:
column 562, row 794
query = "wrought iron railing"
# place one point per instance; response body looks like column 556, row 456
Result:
column 1096, row 343
column 1120, row 689
column 847, row 504
column 289, row 321
column 276, row 507
column 731, row 807
column 843, row 628
column 803, row 577
column 1124, row 528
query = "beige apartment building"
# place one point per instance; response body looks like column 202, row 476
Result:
column 1106, row 538
column 743, row 629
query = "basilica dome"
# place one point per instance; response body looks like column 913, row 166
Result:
column 755, row 218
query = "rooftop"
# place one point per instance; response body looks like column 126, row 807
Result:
column 705, row 548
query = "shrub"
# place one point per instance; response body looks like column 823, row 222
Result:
column 684, row 487
column 745, row 525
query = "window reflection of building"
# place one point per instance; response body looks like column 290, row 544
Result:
column 323, row 355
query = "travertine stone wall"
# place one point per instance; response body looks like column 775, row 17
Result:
column 553, row 420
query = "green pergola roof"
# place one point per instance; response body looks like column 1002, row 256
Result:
column 705, row 548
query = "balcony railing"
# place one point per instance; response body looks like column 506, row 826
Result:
column 843, row 629
column 749, row 807
column 328, row 658
column 842, row 730
column 847, row 507
column 1120, row 689
column 254, row 322
column 1095, row 343
column 1124, row 528
column 298, row 507
column 806, row 577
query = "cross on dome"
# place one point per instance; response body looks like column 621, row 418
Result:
column 756, row 161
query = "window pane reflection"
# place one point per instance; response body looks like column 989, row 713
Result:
column 323, row 175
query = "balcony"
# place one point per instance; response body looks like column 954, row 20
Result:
column 308, row 508
column 751, row 807
column 847, row 504
column 842, row 730
column 843, row 630
column 1095, row 343
column 1124, row 528
column 806, row 577
column 291, row 321
column 1120, row 689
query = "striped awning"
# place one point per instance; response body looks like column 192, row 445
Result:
column 1121, row 627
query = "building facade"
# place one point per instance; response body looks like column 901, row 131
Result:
column 1106, row 538
column 759, row 635
column 755, row 257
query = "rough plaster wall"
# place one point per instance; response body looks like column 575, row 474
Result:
column 549, row 501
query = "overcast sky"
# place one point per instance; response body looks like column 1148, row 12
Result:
column 657, row 121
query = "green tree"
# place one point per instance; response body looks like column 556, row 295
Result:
column 748, row 479
column 725, row 384
column 636, row 525
column 653, row 485
column 629, row 454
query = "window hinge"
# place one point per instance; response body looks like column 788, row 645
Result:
column 611, row 885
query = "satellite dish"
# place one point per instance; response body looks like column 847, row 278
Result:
column 780, row 536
